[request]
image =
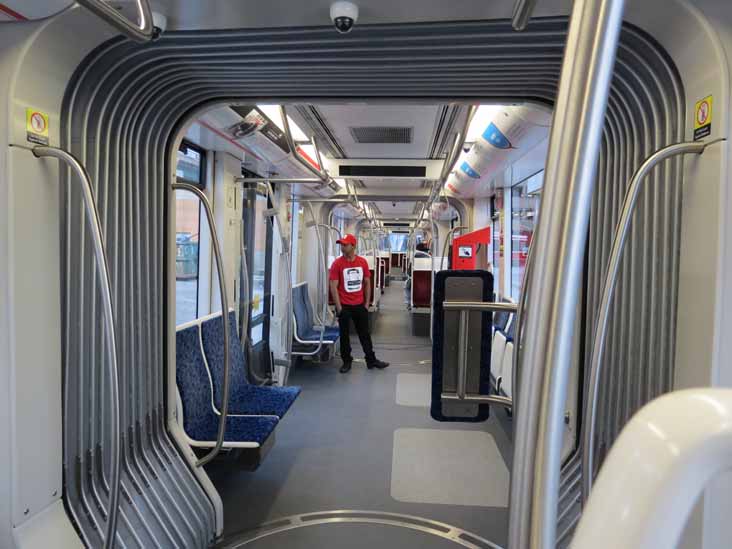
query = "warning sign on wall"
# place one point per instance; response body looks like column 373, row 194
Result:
column 36, row 126
column 703, row 118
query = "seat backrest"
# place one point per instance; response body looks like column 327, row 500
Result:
column 507, row 374
column 212, row 335
column 499, row 346
column 308, row 305
column 193, row 380
column 299, row 308
column 511, row 328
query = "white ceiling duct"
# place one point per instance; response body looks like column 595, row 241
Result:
column 513, row 132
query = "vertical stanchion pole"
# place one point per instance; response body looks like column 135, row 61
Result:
column 574, row 146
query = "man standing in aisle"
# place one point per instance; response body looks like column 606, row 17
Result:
column 351, row 291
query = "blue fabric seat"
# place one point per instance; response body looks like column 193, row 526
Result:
column 244, row 398
column 200, row 422
column 307, row 331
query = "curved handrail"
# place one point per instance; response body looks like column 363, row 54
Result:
column 100, row 254
column 447, row 242
column 285, row 267
column 608, row 289
column 519, row 320
column 319, row 284
column 655, row 471
column 224, row 316
column 142, row 33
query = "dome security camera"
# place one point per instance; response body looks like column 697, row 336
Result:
column 344, row 15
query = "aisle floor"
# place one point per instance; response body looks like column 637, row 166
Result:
column 348, row 444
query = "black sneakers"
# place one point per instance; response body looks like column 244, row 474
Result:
column 346, row 367
column 378, row 364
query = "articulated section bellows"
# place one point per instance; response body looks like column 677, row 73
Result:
column 120, row 117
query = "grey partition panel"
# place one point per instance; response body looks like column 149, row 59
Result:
column 126, row 104
column 462, row 289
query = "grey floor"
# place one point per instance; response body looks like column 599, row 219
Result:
column 334, row 450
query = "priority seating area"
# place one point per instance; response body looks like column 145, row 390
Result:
column 254, row 411
column 306, row 334
column 502, row 352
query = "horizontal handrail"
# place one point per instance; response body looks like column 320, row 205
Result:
column 224, row 317
column 461, row 394
column 105, row 287
column 485, row 306
column 142, row 33
column 608, row 289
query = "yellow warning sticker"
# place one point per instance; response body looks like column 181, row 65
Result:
column 703, row 118
column 36, row 126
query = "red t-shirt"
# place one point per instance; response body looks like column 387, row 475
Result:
column 351, row 277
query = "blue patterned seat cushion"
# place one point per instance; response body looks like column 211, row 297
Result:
column 199, row 420
column 263, row 400
column 244, row 398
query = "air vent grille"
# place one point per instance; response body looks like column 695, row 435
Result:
column 381, row 134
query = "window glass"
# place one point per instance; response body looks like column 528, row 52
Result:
column 259, row 263
column 187, row 223
column 295, row 239
column 398, row 241
column 524, row 210
column 259, row 257
column 190, row 165
column 187, row 230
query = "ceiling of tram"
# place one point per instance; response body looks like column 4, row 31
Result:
column 383, row 131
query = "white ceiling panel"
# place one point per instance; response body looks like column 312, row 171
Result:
column 421, row 119
column 395, row 208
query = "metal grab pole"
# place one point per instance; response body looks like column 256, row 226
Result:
column 319, row 282
column 142, row 33
column 105, row 288
column 447, row 241
column 224, row 316
column 522, row 13
column 273, row 214
column 608, row 290
column 579, row 118
column 519, row 320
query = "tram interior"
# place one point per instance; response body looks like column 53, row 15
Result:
column 175, row 179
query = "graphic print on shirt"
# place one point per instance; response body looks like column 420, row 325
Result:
column 353, row 279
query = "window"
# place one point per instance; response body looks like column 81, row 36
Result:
column 296, row 223
column 524, row 210
column 259, row 258
column 189, row 169
column 398, row 241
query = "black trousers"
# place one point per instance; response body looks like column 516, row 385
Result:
column 360, row 316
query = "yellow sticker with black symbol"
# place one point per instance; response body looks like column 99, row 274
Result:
column 703, row 118
column 36, row 126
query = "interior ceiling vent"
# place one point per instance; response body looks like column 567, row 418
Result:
column 381, row 134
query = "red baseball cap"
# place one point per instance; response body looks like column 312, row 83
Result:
column 348, row 239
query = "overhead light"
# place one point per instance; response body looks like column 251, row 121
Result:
column 273, row 113
column 483, row 116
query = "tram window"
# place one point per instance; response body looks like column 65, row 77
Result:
column 259, row 257
column 398, row 241
column 189, row 169
column 190, row 166
column 524, row 210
